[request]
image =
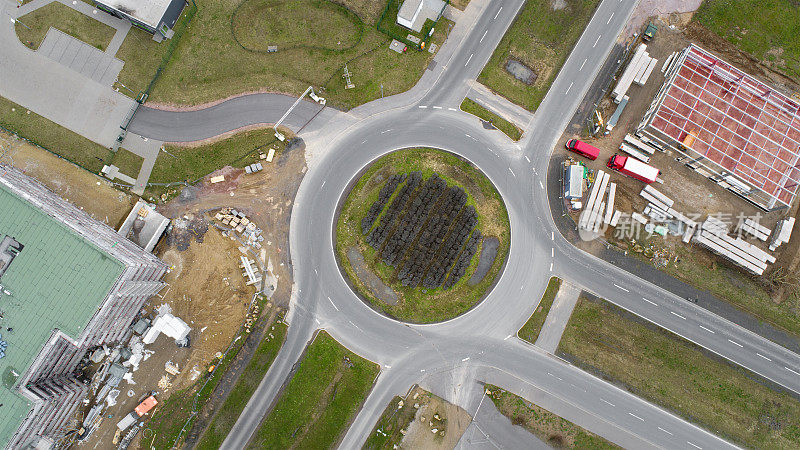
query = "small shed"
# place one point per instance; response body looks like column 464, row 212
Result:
column 573, row 182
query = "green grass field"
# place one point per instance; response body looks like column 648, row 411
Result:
column 417, row 305
column 768, row 29
column 54, row 137
column 503, row 125
column 530, row 331
column 247, row 383
column 128, row 163
column 550, row 428
column 390, row 424
column 208, row 63
column 679, row 376
column 542, row 39
column 32, row 27
column 321, row 399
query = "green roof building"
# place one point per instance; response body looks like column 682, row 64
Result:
column 68, row 283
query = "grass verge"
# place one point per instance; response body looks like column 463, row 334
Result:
column 680, row 376
column 53, row 137
column 420, row 305
column 321, row 399
column 392, row 421
column 247, row 383
column 550, row 428
column 208, row 64
column 530, row 331
column 501, row 124
column 32, row 27
column 541, row 38
column 767, row 29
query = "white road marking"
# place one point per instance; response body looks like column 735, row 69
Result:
column 759, row 354
column 484, row 35
column 498, row 12
column 568, row 88
column 541, row 185
column 552, row 235
column 315, row 271
column 318, row 322
column 710, row 331
column 356, row 326
column 622, row 288
column 606, row 401
column 508, row 337
column 363, row 141
column 329, row 299
column 650, row 301
column 422, row 107
column 534, row 170
column 512, row 172
column 552, row 252
column 387, row 366
column 609, row 19
column 694, row 445
column 422, row 370
column 551, row 267
column 790, row 370
column 527, row 159
column 595, row 42
column 634, row 415
column 437, row 107
column 665, row 431
column 452, row 109
column 678, row 315
column 557, row 378
column 322, row 185
column 468, row 60
column 581, row 68
column 736, row 343
column 465, row 359
column 386, row 131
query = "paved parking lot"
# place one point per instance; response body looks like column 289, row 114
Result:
column 80, row 57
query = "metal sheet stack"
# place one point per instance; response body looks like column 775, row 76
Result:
column 638, row 71
column 755, row 229
column 713, row 234
column 598, row 211
column 783, row 231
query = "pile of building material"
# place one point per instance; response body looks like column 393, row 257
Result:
column 598, row 211
column 250, row 270
column 755, row 229
column 637, row 148
column 253, row 168
column 638, row 71
column 238, row 221
column 713, row 234
column 659, row 208
column 783, row 231
column 170, row 325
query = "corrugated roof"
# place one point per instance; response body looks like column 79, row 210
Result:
column 57, row 281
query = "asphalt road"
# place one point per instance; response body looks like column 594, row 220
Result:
column 479, row 345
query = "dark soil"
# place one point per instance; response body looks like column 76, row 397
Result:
column 485, row 261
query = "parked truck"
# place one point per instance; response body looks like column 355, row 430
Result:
column 633, row 168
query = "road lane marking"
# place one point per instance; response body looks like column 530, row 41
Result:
column 634, row 415
column 534, row 170
column 468, row 60
column 422, row 107
column 736, row 343
column 649, row 301
column 334, row 305
column 568, row 88
column 391, row 129
column 606, row 401
column 595, row 42
column 527, row 159
column 363, row 141
column 759, row 354
column 318, row 322
column 665, row 431
column 387, row 366
column 581, row 68
column 541, row 185
column 322, row 185
column 351, row 323
column 552, row 235
column 498, row 13
column 452, row 109
column 609, row 19
column 790, row 370
column 465, row 359
column 552, row 252
column 484, row 35
column 694, row 445
column 622, row 288
column 508, row 337
column 557, row 378
column 437, row 107
column 512, row 172
column 551, row 267
column 315, row 271
column 676, row 314
column 710, row 331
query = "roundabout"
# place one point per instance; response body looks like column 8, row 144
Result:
column 421, row 235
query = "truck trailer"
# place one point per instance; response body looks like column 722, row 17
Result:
column 633, row 168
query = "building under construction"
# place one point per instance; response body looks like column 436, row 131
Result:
column 730, row 127
column 68, row 283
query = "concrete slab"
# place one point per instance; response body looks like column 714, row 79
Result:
column 499, row 105
column 80, row 57
column 146, row 148
column 557, row 318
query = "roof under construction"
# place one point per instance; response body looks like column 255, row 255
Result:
column 746, row 134
column 56, row 281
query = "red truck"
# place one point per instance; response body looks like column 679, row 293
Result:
column 634, row 168
column 582, row 148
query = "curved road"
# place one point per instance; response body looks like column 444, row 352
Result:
column 480, row 345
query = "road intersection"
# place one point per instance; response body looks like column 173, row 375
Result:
column 480, row 345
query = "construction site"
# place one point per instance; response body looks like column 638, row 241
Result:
column 697, row 160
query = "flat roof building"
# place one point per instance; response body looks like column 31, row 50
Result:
column 153, row 16
column 413, row 13
column 69, row 283
column 734, row 129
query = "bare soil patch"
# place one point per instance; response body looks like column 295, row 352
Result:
column 520, row 71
